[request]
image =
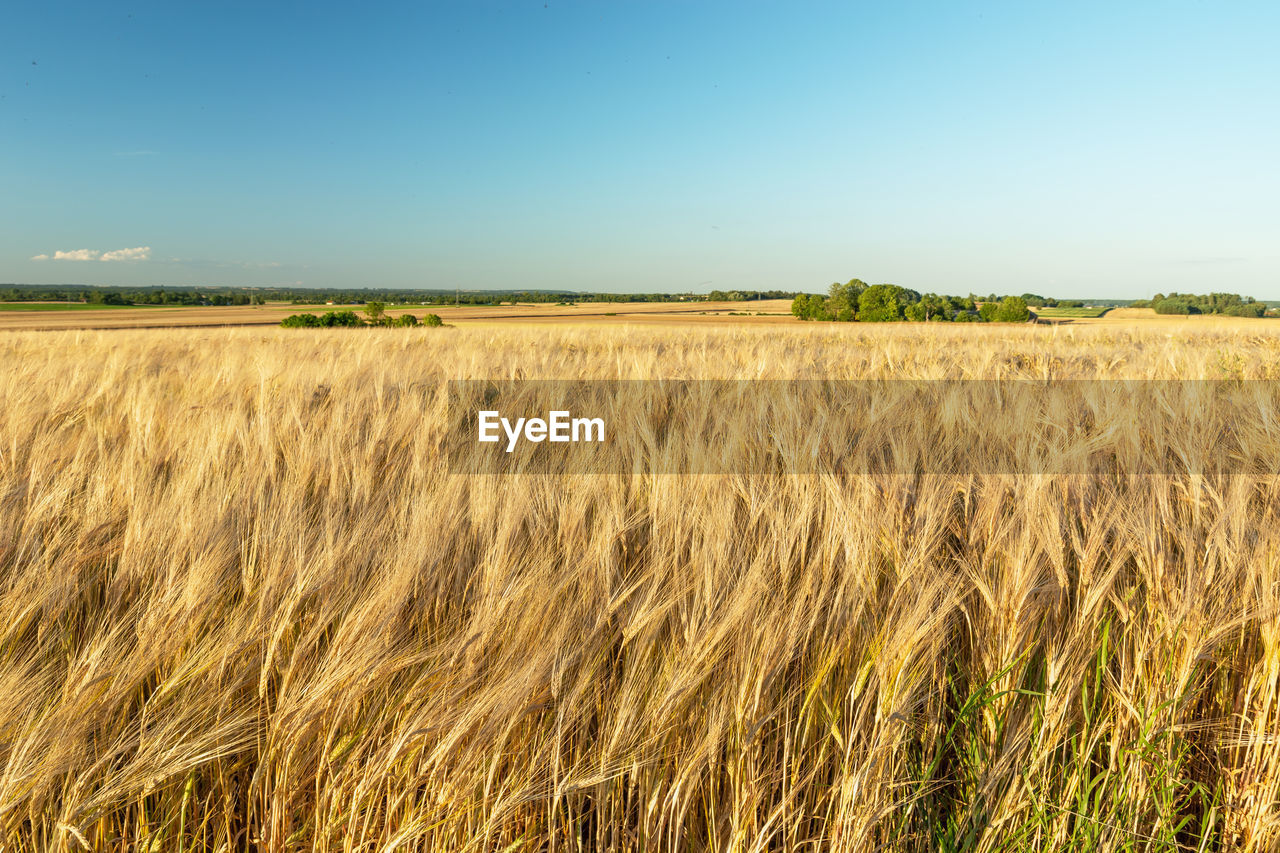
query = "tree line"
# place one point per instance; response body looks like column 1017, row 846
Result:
column 857, row 301
column 132, row 296
column 1230, row 304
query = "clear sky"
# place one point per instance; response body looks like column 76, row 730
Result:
column 1069, row 149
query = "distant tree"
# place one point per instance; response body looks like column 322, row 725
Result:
column 1174, row 304
column 810, row 307
column 932, row 307
column 340, row 318
column 432, row 320
column 842, row 299
column 374, row 311
column 883, row 303
column 1012, row 309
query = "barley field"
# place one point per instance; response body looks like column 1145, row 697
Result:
column 245, row 606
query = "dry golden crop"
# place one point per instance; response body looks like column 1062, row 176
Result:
column 244, row 605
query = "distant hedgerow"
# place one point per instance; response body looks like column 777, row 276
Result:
column 329, row 318
column 350, row 318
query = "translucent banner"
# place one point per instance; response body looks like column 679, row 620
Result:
column 863, row 427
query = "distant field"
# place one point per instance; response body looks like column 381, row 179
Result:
column 63, row 306
column 63, row 315
column 110, row 317
column 1077, row 313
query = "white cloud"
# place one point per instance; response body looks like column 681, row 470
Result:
column 77, row 255
column 141, row 253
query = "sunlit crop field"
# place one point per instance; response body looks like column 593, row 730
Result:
column 244, row 606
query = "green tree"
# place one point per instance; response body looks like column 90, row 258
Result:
column 374, row 311
column 1246, row 309
column 340, row 318
column 811, row 306
column 883, row 303
column 842, row 299
column 1174, row 304
column 800, row 306
column 1012, row 309
column 933, row 307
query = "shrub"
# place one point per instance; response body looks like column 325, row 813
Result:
column 405, row 320
column 432, row 320
column 297, row 321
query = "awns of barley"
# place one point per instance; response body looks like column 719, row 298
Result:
column 244, row 606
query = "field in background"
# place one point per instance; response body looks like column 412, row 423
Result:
column 243, row 606
column 23, row 316
column 98, row 317
column 62, row 306
column 1077, row 313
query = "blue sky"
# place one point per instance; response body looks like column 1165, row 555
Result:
column 1086, row 149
